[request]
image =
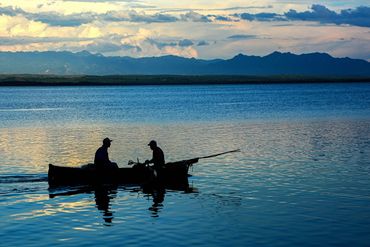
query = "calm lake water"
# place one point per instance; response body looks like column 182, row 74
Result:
column 302, row 177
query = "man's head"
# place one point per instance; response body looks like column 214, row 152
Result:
column 152, row 144
column 106, row 142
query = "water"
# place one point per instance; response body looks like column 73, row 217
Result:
column 301, row 179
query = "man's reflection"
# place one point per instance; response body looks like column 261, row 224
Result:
column 157, row 191
column 158, row 194
column 103, row 195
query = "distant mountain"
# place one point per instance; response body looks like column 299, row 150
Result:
column 85, row 63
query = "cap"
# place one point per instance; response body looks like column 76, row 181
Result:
column 107, row 140
column 152, row 142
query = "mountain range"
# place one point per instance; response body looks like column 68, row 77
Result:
column 85, row 63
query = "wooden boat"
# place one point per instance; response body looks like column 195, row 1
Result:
column 172, row 173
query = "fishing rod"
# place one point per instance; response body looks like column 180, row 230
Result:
column 214, row 155
column 194, row 160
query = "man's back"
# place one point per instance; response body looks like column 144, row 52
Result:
column 101, row 157
column 158, row 157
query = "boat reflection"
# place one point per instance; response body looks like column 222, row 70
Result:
column 105, row 195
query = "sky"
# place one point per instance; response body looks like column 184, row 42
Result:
column 203, row 29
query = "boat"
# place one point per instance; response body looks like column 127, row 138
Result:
column 172, row 173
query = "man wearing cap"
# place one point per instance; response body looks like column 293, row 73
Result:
column 158, row 156
column 101, row 156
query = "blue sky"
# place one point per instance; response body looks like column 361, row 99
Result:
column 200, row 28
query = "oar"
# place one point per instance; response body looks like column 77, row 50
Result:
column 214, row 155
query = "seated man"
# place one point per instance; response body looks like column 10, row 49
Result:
column 101, row 159
column 158, row 156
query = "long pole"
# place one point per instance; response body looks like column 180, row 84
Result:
column 214, row 155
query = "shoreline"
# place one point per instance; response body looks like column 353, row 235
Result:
column 137, row 80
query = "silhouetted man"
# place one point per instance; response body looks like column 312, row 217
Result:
column 101, row 156
column 158, row 156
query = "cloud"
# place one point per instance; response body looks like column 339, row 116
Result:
column 55, row 19
column 131, row 3
column 77, row 19
column 185, row 43
column 134, row 16
column 103, row 46
column 100, row 1
column 29, row 40
column 359, row 16
column 51, row 18
column 159, row 44
column 356, row 17
column 221, row 18
column 194, row 17
column 202, row 43
column 261, row 17
column 142, row 17
column 178, row 48
column 242, row 37
column 172, row 10
column 10, row 11
column 247, row 7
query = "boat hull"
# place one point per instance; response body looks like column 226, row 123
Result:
column 172, row 173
